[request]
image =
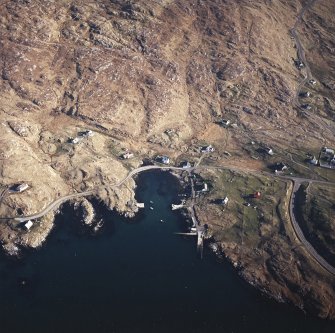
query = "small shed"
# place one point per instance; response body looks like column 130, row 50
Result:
column 257, row 195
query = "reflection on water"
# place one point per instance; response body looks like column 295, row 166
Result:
column 135, row 276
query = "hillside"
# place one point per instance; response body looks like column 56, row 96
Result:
column 158, row 77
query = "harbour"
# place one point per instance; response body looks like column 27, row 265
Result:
column 135, row 275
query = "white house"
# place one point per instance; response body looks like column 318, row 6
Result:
column 207, row 149
column 28, row 225
column 88, row 133
column 165, row 160
column 186, row 165
column 205, row 188
column 22, row 187
column 127, row 156
column 269, row 151
column 328, row 151
column 74, row 140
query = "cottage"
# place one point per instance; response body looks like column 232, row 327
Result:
column 205, row 188
column 305, row 94
column 225, row 122
column 74, row 140
column 314, row 161
column 328, row 151
column 186, row 165
column 87, row 133
column 165, row 160
column 225, row 201
column 299, row 64
column 280, row 167
column 207, row 149
column 127, row 156
column 269, row 151
column 28, row 225
column 306, row 106
column 21, row 187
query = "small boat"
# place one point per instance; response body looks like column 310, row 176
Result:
column 152, row 208
column 151, row 201
column 162, row 221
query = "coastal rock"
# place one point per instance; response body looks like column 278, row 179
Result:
column 86, row 212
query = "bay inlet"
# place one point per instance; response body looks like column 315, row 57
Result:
column 135, row 275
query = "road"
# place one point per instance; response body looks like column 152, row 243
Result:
column 298, row 181
column 300, row 49
column 310, row 249
column 55, row 204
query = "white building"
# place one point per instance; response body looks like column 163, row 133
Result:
column 28, row 225
column 127, row 156
column 269, row 151
column 74, row 140
column 328, row 151
column 22, row 187
column 165, row 160
column 186, row 165
column 207, row 149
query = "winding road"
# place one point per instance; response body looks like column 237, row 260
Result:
column 55, row 204
column 296, row 181
column 296, row 184
column 300, row 50
column 300, row 234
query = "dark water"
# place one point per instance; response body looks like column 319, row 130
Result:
column 135, row 277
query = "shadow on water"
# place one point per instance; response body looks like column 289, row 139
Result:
column 135, row 276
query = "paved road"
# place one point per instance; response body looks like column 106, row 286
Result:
column 298, row 181
column 300, row 234
column 55, row 204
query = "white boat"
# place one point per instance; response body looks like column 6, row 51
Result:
column 152, row 208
